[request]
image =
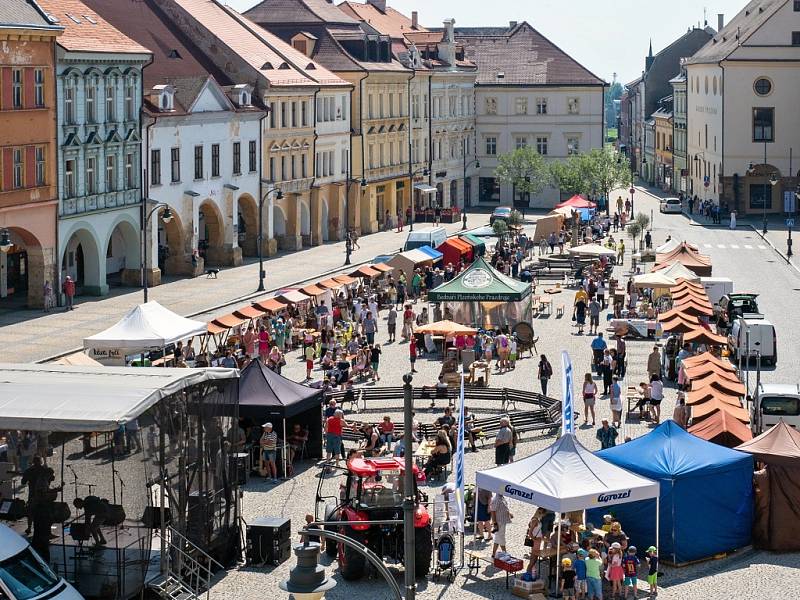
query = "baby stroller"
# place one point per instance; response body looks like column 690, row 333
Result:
column 445, row 557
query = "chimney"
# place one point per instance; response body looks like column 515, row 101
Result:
column 447, row 47
column 379, row 4
column 414, row 19
column 720, row 21
column 512, row 24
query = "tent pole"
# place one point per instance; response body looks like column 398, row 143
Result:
column 285, row 474
column 475, row 522
column 658, row 517
column 558, row 555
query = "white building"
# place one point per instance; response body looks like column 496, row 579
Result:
column 742, row 103
column 529, row 93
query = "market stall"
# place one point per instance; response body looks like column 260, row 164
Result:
column 482, row 296
column 454, row 250
column 678, row 271
column 434, row 254
column 408, row 261
column 478, row 245
column 722, row 428
column 144, row 327
column 551, row 223
column 706, row 493
column 777, row 488
column 699, row 264
column 592, row 250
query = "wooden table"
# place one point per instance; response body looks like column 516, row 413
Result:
column 423, row 452
column 546, row 304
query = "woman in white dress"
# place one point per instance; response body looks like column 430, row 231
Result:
column 733, row 219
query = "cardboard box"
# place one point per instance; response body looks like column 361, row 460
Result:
column 522, row 585
column 520, row 593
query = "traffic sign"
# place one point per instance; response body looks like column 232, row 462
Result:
column 705, row 183
column 790, row 222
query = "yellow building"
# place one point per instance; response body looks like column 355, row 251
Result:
column 663, row 148
column 379, row 170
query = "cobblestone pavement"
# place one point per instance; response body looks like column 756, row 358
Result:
column 32, row 336
column 745, row 574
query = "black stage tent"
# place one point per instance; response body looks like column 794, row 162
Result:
column 266, row 396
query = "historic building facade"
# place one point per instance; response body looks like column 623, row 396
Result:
column 28, row 191
column 680, row 165
column 99, row 98
column 200, row 147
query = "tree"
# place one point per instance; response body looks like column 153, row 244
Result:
column 500, row 228
column 515, row 219
column 569, row 176
column 634, row 229
column 524, row 169
column 606, row 170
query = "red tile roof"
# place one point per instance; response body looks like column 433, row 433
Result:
column 86, row 31
column 391, row 22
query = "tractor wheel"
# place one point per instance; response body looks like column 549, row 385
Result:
column 423, row 550
column 331, row 546
column 351, row 563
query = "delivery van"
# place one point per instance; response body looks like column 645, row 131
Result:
column 25, row 576
column 428, row 236
column 775, row 401
column 717, row 287
column 761, row 339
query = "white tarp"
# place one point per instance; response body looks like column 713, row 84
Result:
column 670, row 245
column 146, row 326
column 83, row 399
column 657, row 279
column 566, row 477
column 592, row 250
column 678, row 270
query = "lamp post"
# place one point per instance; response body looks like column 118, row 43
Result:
column 307, row 580
column 408, row 485
column 166, row 217
column 477, row 164
column 791, row 223
column 770, row 181
column 411, row 175
column 278, row 194
column 348, row 239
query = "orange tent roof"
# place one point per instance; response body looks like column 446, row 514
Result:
column 446, row 328
column 271, row 305
column 228, row 321
column 672, row 313
column 330, row 284
column 704, row 336
column 695, row 301
column 683, row 283
column 680, row 324
column 708, row 393
column 690, row 259
column 312, row 290
column 383, row 267
column 722, row 428
column 709, row 407
column 728, row 387
column 365, row 271
column 712, row 374
column 707, row 357
column 684, row 250
column 249, row 312
column 688, row 294
column 345, row 279
column 215, row 329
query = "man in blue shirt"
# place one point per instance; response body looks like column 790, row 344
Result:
column 598, row 347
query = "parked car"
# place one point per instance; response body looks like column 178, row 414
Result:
column 500, row 213
column 735, row 305
column 670, row 205
column 25, row 576
column 775, row 401
column 753, row 336
column 428, row 236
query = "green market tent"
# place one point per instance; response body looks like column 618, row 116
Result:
column 481, row 296
column 480, row 282
column 478, row 245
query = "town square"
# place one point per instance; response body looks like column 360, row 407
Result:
column 375, row 299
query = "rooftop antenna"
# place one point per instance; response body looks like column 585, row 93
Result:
column 705, row 16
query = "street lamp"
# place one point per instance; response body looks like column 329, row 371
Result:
column 348, row 239
column 166, row 217
column 307, row 580
column 791, row 223
column 409, row 535
column 5, row 241
column 278, row 195
column 411, row 175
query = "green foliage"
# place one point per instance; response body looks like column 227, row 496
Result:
column 500, row 228
column 525, row 169
column 607, row 170
column 569, row 176
column 634, row 230
column 614, row 92
column 643, row 221
column 515, row 219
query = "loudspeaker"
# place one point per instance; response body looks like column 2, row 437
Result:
column 152, row 517
column 60, row 512
column 116, row 515
column 238, row 470
column 12, row 509
column 268, row 540
column 79, row 532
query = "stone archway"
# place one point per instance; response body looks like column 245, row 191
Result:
column 82, row 260
column 173, row 257
column 211, row 233
column 22, row 271
column 123, row 263
column 248, row 225
column 278, row 221
column 324, row 219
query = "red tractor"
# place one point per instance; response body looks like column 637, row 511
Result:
column 373, row 491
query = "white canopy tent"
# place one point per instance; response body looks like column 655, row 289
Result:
column 146, row 326
column 592, row 250
column 678, row 270
column 670, row 245
column 658, row 279
column 74, row 399
column 567, row 477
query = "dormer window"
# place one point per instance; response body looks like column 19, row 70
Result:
column 241, row 94
column 162, row 97
column 166, row 102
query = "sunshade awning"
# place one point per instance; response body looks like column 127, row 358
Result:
column 365, row 271
column 331, row 284
column 446, row 328
column 145, row 326
column 86, row 399
column 293, row 296
column 434, row 254
column 592, row 250
column 703, row 336
column 229, row 321
column 249, row 312
column 382, row 267
column 345, row 279
column 709, row 407
column 271, row 304
column 313, row 290
column 707, row 357
column 424, row 188
column 653, row 280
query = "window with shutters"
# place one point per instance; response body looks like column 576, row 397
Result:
column 111, row 173
column 38, row 88
column 91, row 115
column 69, row 104
column 272, row 172
column 110, row 103
column 40, row 166
column 69, row 178
column 18, row 168
column 175, row 164
column 252, row 156
column 91, row 175
column 16, row 88
column 303, row 167
column 198, row 162
column 237, row 158
column 130, row 170
column 215, row 160
column 155, row 167
column 273, row 112
column 294, row 114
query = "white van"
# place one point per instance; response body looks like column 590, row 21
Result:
column 775, row 401
column 762, row 339
column 717, row 287
column 25, row 576
column 428, row 236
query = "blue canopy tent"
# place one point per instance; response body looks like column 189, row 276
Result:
column 432, row 252
column 706, row 494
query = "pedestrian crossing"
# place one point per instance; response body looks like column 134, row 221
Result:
column 736, row 246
